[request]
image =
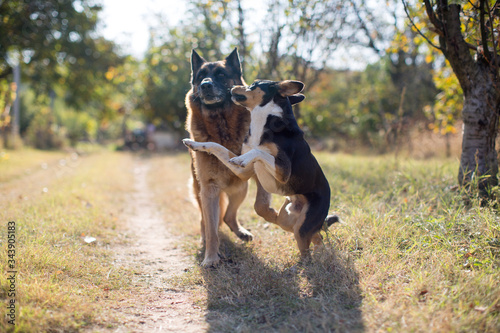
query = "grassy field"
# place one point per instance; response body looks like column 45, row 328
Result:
column 410, row 256
column 56, row 199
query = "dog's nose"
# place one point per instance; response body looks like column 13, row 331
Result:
column 206, row 84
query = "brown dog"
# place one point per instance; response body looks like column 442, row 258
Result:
column 212, row 116
column 276, row 151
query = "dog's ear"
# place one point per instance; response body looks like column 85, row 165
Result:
column 297, row 98
column 196, row 62
column 289, row 87
column 233, row 60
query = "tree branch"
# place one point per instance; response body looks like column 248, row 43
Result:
column 371, row 41
column 492, row 34
column 472, row 4
column 432, row 17
column 457, row 49
column 484, row 34
column 418, row 30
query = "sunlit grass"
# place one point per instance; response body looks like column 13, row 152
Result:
column 16, row 163
column 411, row 255
column 61, row 277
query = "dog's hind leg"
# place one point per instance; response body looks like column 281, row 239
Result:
column 314, row 218
column 223, row 203
column 291, row 217
column 262, row 204
column 196, row 193
column 236, row 195
column 292, row 212
column 210, row 196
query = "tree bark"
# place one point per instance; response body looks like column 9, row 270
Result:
column 479, row 82
column 480, row 116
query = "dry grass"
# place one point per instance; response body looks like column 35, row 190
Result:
column 61, row 277
column 411, row 256
column 14, row 164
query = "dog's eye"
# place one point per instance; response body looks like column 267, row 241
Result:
column 221, row 75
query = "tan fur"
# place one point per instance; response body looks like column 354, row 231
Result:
column 262, row 204
column 218, row 191
column 290, row 87
column 254, row 97
column 270, row 147
column 291, row 217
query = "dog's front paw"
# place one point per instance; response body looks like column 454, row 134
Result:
column 238, row 161
column 191, row 144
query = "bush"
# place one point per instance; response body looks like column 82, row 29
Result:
column 79, row 126
column 43, row 132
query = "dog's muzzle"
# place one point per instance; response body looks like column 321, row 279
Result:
column 236, row 95
column 239, row 98
column 209, row 94
column 206, row 85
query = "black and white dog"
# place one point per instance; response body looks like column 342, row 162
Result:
column 276, row 152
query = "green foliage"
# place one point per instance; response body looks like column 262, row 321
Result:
column 43, row 133
column 445, row 109
column 61, row 54
column 167, row 68
column 361, row 106
column 47, row 32
column 345, row 104
column 7, row 97
column 78, row 126
column 167, row 80
column 364, row 106
column 448, row 103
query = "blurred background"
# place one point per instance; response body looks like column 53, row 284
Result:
column 76, row 72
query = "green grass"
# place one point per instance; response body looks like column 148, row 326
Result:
column 410, row 256
column 60, row 277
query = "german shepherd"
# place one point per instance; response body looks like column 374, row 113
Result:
column 213, row 116
column 276, row 151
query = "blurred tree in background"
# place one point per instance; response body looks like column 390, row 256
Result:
column 61, row 56
column 467, row 36
column 166, row 79
column 370, row 74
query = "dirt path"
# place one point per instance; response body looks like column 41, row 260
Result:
column 155, row 258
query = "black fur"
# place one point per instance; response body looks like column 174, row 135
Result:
column 306, row 178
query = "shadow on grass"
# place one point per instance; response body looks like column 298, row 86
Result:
column 246, row 293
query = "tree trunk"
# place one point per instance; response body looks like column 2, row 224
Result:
column 480, row 115
column 479, row 82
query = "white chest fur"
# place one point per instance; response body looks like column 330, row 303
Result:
column 258, row 121
column 264, row 166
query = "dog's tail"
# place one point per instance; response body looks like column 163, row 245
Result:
column 331, row 219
